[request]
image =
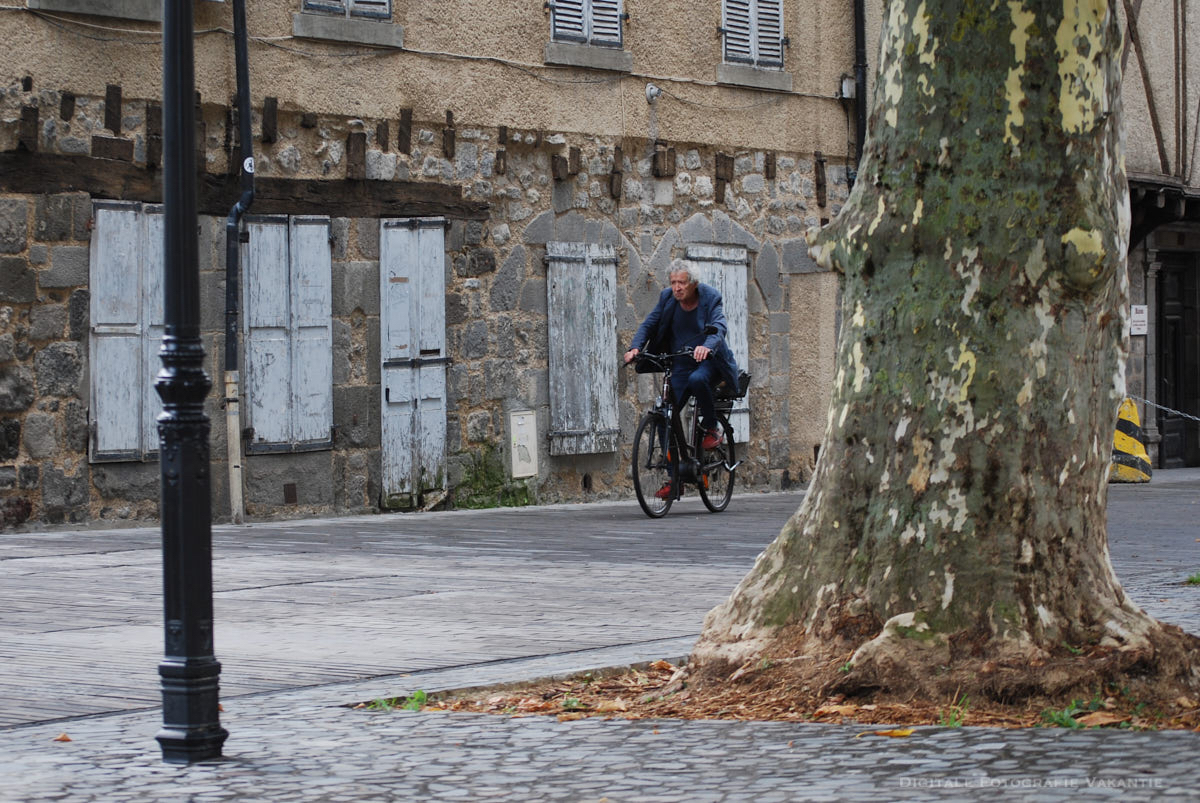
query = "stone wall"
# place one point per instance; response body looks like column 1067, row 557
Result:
column 496, row 305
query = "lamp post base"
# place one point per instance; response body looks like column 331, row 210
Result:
column 191, row 729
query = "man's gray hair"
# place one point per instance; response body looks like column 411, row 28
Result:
column 679, row 266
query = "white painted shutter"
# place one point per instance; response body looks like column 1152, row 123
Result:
column 736, row 20
column 606, row 22
column 413, row 349
column 115, row 348
column 380, row 9
column 289, row 340
column 768, row 33
column 581, row 282
column 153, row 322
column 727, row 270
column 568, row 20
column 311, row 331
column 268, row 345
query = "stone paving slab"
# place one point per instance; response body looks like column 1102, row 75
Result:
column 314, row 616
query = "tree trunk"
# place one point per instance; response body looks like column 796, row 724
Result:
column 953, row 535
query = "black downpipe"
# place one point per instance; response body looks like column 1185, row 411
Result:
column 860, row 81
column 247, row 170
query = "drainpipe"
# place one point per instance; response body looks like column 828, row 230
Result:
column 860, row 82
column 233, row 417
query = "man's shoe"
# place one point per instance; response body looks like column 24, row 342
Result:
column 664, row 492
column 712, row 439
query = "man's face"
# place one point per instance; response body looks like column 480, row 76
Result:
column 681, row 287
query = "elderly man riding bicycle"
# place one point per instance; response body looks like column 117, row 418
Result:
column 686, row 315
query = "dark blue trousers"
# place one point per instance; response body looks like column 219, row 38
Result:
column 697, row 383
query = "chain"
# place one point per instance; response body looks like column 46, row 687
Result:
column 1168, row 409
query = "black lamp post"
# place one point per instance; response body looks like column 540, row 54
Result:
column 189, row 670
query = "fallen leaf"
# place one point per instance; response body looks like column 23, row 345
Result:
column 1100, row 718
column 62, row 737
column 895, row 733
column 568, row 716
column 221, row 708
column 667, row 666
column 837, row 710
column 1185, row 702
column 611, row 705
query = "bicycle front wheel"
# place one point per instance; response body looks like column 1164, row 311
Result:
column 655, row 477
column 716, row 471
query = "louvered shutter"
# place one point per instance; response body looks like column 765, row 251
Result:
column 568, row 20
column 379, row 9
column 153, row 322
column 737, row 24
column 310, row 330
column 769, row 33
column 581, row 294
column 606, row 22
column 327, row 6
column 115, row 348
column 727, row 270
column 268, row 344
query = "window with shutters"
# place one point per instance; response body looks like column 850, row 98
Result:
column 126, row 311
column 588, row 33
column 753, row 32
column 370, row 9
column 288, row 334
column 581, row 296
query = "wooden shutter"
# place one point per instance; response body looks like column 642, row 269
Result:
column 326, row 6
column 736, row 21
column 115, row 348
column 310, row 331
column 268, row 345
column 568, row 20
column 727, row 269
column 379, row 9
column 152, row 322
column 606, row 23
column 581, row 282
column 768, row 33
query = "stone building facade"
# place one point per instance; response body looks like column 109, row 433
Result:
column 726, row 174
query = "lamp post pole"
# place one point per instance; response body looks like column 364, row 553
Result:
column 189, row 670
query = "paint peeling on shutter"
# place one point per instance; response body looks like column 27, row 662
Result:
column 152, row 321
column 568, row 21
column 769, row 33
column 115, row 348
column 327, row 6
column 736, row 20
column 311, row 331
column 581, row 283
column 413, row 347
column 727, row 269
column 268, row 343
column 606, row 23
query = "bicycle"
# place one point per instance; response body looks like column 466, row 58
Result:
column 665, row 458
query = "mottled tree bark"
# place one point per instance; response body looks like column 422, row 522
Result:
column 956, row 519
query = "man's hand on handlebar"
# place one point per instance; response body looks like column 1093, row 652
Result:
column 630, row 356
column 700, row 353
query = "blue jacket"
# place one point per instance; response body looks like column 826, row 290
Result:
column 711, row 312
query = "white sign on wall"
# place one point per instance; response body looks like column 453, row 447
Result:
column 1138, row 319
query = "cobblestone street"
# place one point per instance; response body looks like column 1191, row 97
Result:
column 314, row 616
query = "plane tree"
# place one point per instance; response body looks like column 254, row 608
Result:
column 953, row 537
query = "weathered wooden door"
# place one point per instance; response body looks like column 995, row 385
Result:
column 726, row 268
column 1179, row 361
column 412, row 298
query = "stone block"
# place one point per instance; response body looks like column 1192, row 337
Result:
column 129, row 481
column 40, row 440
column 696, row 229
column 79, row 314
column 8, row 478
column 478, row 426
column 75, row 427
column 68, row 267
column 28, row 477
column 366, row 236
column 562, row 197
column 356, row 413
column 767, row 275
column 38, row 254
column 53, row 218
column 14, row 225
column 355, row 287
column 59, row 369
column 478, row 262
column 533, row 295
column 342, row 345
column 310, row 472
column 475, row 340
column 499, row 377
column 212, row 301
column 62, row 493
column 796, row 259
column 339, row 233
column 10, row 438
column 8, row 351
column 18, row 283
column 506, row 286
column 540, row 230
column 16, row 389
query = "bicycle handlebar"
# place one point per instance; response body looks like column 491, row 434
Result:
column 660, row 361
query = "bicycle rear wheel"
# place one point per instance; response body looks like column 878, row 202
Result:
column 716, row 471
column 653, row 470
